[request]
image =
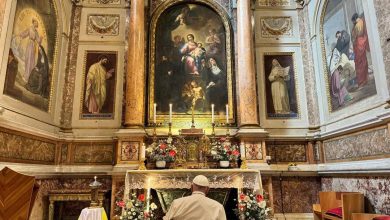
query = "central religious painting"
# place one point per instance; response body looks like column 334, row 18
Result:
column 190, row 63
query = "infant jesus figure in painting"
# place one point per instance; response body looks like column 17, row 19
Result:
column 194, row 94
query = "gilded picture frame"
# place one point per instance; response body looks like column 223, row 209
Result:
column 182, row 115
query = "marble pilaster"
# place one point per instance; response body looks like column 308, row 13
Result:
column 135, row 78
column 246, row 76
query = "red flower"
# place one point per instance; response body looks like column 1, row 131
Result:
column 259, row 198
column 172, row 153
column 222, row 139
column 146, row 214
column 163, row 146
column 120, row 204
column 242, row 196
column 241, row 207
column 235, row 152
column 141, row 197
column 229, row 152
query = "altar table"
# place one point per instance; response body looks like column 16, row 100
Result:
column 182, row 178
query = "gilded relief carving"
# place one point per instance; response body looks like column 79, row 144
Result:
column 99, row 24
column 105, row 2
column 366, row 144
column 276, row 26
column 93, row 153
column 16, row 147
column 273, row 3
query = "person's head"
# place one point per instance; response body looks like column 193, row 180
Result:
column 212, row 62
column 103, row 59
column 200, row 45
column 35, row 23
column 190, row 37
column 194, row 84
column 212, row 31
column 354, row 18
column 201, row 184
column 338, row 34
column 340, row 68
column 164, row 58
column 275, row 62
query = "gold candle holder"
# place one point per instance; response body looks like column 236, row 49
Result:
column 141, row 164
column 244, row 164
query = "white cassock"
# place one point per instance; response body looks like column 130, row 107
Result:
column 195, row 207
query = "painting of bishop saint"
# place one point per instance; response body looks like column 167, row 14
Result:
column 98, row 99
column 31, row 57
column 190, row 61
column 349, row 68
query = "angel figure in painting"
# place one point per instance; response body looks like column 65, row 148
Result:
column 95, row 93
column 278, row 77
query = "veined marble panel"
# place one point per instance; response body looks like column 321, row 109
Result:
column 2, row 12
column 375, row 189
column 21, row 148
column 364, row 144
column 295, row 194
column 284, row 153
column 382, row 9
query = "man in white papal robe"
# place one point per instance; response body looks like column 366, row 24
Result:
column 197, row 206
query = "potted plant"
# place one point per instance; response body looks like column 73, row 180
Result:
column 292, row 167
column 135, row 208
column 252, row 207
column 223, row 151
column 162, row 152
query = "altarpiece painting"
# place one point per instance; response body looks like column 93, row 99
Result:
column 190, row 61
column 32, row 54
column 347, row 55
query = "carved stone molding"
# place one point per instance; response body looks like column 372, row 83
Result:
column 276, row 26
column 273, row 3
column 103, row 24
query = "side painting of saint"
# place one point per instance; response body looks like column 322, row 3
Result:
column 347, row 54
column 99, row 85
column 281, row 98
column 192, row 66
column 31, row 58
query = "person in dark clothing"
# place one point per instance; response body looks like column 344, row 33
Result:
column 343, row 40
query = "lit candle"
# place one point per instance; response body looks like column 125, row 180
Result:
column 170, row 112
column 227, row 114
column 242, row 150
column 142, row 151
column 212, row 113
column 154, row 112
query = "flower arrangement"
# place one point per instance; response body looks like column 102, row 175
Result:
column 252, row 207
column 162, row 151
column 135, row 208
column 223, row 150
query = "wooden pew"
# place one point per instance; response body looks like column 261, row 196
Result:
column 350, row 202
column 364, row 216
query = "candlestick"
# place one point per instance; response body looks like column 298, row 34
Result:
column 170, row 112
column 227, row 114
column 154, row 112
column 242, row 150
column 212, row 113
column 141, row 164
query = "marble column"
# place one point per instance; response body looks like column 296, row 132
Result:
column 135, row 77
column 246, row 86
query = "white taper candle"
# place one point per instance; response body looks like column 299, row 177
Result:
column 170, row 112
column 154, row 112
column 212, row 113
column 142, row 151
column 227, row 114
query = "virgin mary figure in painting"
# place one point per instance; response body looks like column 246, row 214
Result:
column 279, row 90
column 188, row 51
column 31, row 52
